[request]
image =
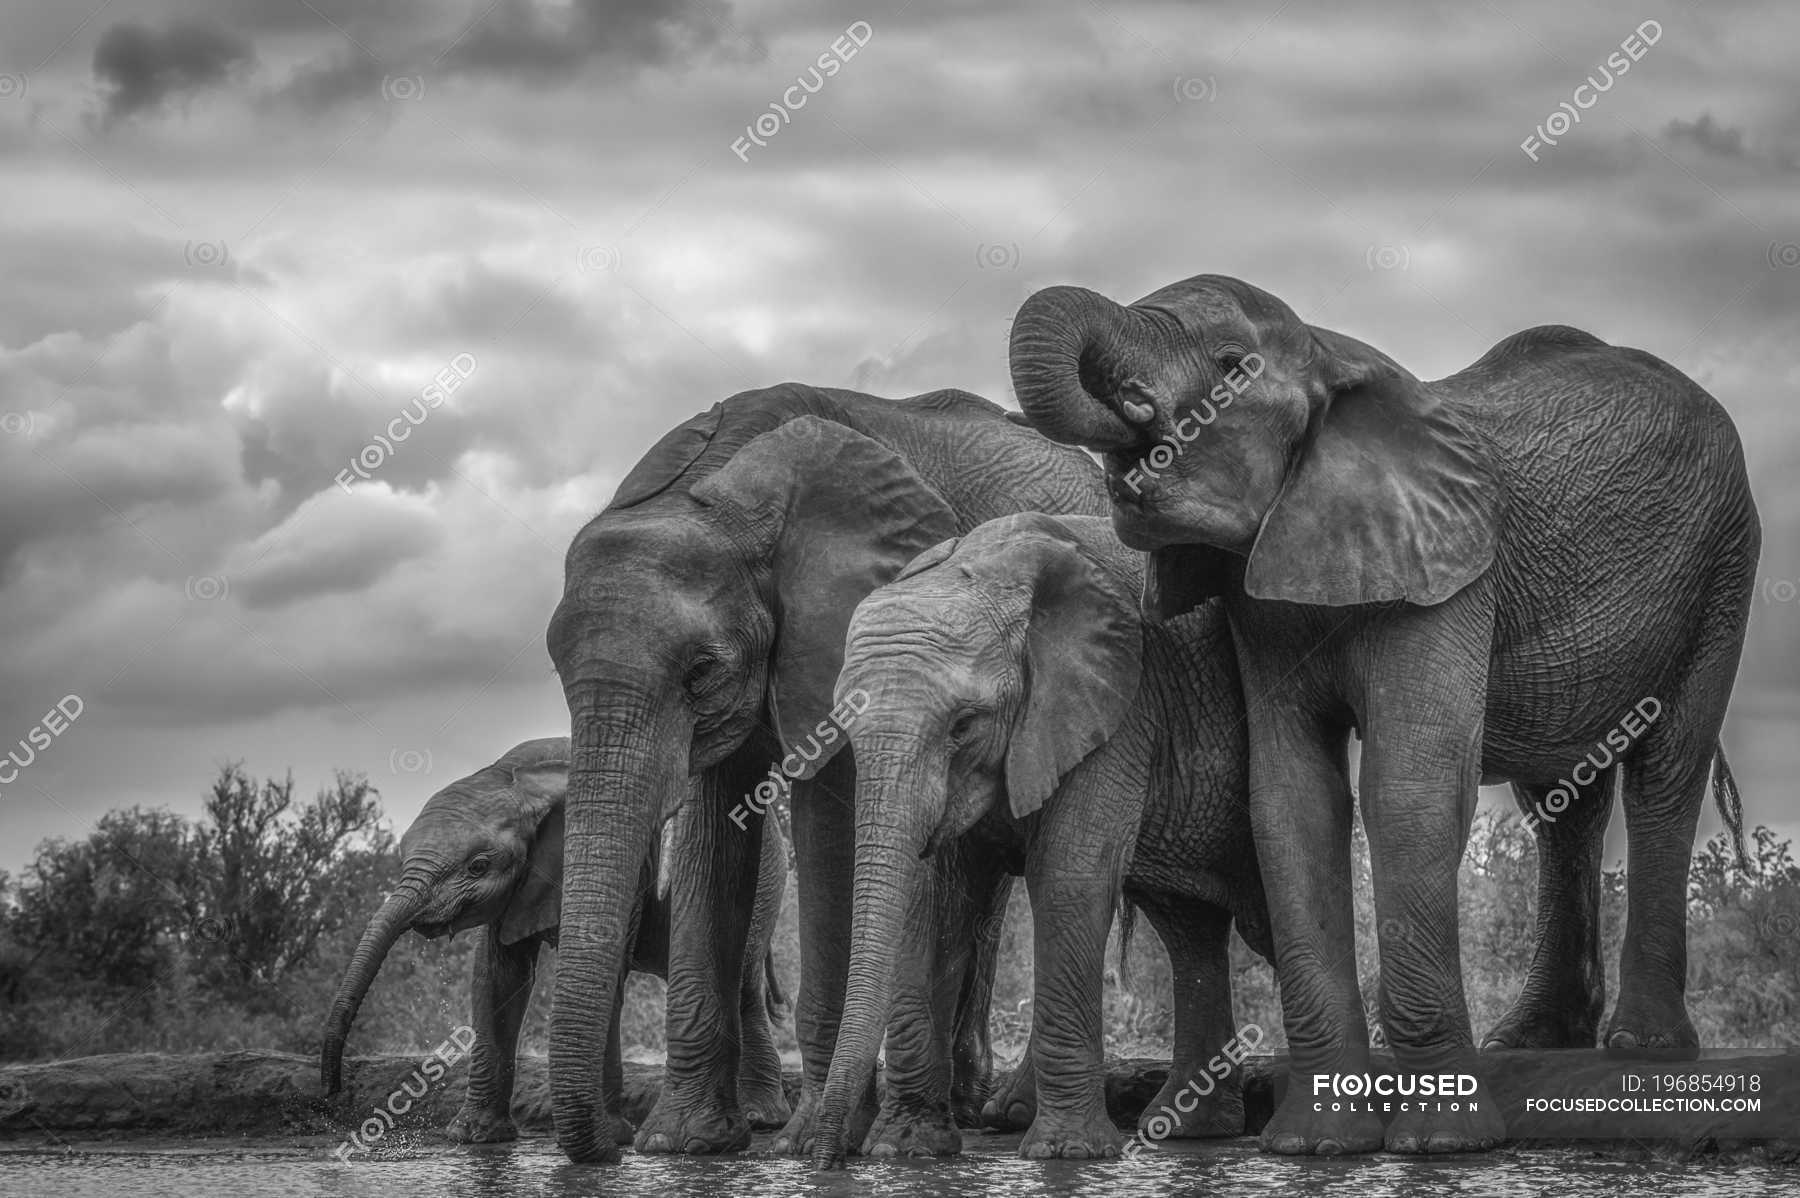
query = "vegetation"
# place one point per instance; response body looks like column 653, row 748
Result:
column 157, row 933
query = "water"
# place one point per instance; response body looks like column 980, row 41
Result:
column 535, row 1169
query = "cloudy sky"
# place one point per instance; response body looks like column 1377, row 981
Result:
column 241, row 236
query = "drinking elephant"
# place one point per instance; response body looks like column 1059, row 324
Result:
column 1013, row 662
column 486, row 852
column 1484, row 578
column 699, row 636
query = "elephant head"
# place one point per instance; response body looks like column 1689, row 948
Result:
column 486, row 849
column 1231, row 430
column 710, row 597
column 990, row 667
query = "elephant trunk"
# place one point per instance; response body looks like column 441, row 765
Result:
column 892, row 827
column 611, row 818
column 390, row 921
column 1068, row 350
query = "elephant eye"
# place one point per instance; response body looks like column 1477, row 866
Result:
column 963, row 725
column 478, row 867
column 701, row 675
column 1230, row 356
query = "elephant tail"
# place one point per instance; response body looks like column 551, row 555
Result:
column 775, row 1000
column 1731, row 804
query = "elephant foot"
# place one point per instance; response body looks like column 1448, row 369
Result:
column 1473, row 1126
column 903, row 1129
column 1078, row 1139
column 1181, row 1111
column 1014, row 1104
column 696, row 1129
column 764, row 1104
column 479, row 1125
column 1556, row 1023
column 800, row 1136
column 1297, row 1130
column 1648, row 1031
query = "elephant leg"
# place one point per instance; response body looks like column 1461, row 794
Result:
column 760, row 1093
column 972, row 1051
column 1014, row 1102
column 1073, row 890
column 823, row 812
column 1194, row 1102
column 1300, row 811
column 712, row 891
column 1665, row 785
column 1421, row 773
column 500, row 992
column 1565, row 991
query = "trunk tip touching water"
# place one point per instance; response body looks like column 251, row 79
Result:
column 386, row 926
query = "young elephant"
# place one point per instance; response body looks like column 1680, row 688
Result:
column 1013, row 662
column 486, row 852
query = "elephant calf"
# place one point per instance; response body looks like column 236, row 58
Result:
column 1013, row 662
column 486, row 852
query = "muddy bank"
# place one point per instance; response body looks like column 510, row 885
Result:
column 277, row 1095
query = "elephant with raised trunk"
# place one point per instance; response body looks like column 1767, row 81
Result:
column 698, row 641
column 1482, row 577
column 486, row 853
column 1016, row 698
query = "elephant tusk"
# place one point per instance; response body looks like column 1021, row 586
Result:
column 1138, row 413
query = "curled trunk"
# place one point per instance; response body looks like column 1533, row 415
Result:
column 387, row 925
column 1069, row 346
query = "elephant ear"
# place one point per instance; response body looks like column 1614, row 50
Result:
column 838, row 514
column 1083, row 655
column 665, row 461
column 536, row 905
column 1391, row 500
column 1179, row 578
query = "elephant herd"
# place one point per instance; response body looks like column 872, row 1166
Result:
column 909, row 620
